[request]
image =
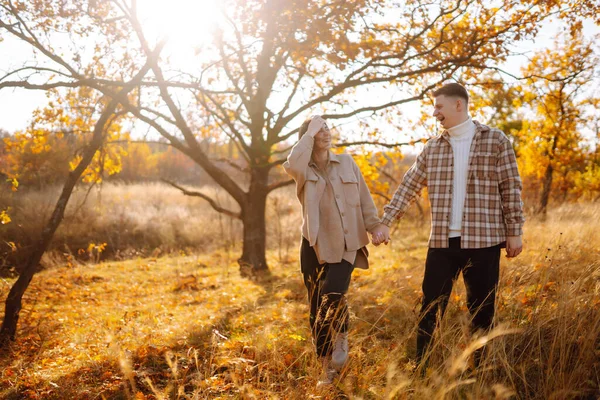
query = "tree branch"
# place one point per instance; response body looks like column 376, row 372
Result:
column 194, row 150
column 212, row 202
column 383, row 196
column 231, row 163
column 278, row 185
column 375, row 143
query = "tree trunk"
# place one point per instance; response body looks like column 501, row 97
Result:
column 253, row 260
column 547, row 186
column 15, row 296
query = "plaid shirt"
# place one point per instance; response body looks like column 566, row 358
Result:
column 493, row 209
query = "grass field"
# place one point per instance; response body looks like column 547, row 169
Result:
column 189, row 326
column 133, row 220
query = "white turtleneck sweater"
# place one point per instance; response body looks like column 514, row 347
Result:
column 461, row 137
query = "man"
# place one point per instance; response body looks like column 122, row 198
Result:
column 474, row 189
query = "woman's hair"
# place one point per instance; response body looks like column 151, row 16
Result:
column 303, row 128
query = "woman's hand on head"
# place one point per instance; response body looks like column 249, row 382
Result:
column 316, row 123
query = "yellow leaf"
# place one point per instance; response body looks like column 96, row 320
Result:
column 4, row 217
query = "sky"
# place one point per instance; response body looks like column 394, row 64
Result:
column 17, row 105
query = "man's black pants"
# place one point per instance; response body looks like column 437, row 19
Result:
column 480, row 269
column 327, row 285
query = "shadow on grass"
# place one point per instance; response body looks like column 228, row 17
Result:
column 121, row 378
column 166, row 368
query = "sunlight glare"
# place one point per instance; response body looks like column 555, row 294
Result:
column 187, row 24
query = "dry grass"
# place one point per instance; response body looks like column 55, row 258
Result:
column 136, row 220
column 191, row 327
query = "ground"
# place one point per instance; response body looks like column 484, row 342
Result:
column 189, row 326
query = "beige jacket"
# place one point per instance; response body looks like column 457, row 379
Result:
column 354, row 201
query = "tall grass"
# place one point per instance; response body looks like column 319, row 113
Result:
column 191, row 328
column 137, row 220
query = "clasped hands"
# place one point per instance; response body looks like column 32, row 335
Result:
column 381, row 234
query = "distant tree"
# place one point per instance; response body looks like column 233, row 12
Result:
column 139, row 163
column 556, row 90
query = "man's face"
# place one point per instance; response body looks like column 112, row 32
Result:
column 323, row 139
column 449, row 111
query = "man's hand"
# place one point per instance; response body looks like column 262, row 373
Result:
column 514, row 246
column 315, row 125
column 381, row 234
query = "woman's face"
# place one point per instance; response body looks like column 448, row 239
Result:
column 323, row 139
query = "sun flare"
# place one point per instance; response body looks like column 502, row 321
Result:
column 187, row 24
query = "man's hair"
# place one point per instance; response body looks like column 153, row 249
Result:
column 453, row 90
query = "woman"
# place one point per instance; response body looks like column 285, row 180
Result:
column 337, row 211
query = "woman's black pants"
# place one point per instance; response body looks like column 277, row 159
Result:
column 327, row 285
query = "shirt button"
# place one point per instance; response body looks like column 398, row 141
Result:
column 337, row 196
column 342, row 214
column 345, row 230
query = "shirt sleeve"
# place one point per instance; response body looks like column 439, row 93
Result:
column 510, row 186
column 297, row 162
column 413, row 182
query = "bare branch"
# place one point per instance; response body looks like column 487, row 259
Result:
column 223, row 116
column 375, row 143
column 212, row 202
column 277, row 162
column 194, row 151
column 387, row 175
column 379, row 107
column 241, row 61
column 159, row 114
column 33, row 71
column 383, row 196
column 231, row 163
column 141, row 142
column 40, row 86
column 282, row 151
column 245, row 97
column 278, row 185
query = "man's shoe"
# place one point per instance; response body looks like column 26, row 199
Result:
column 339, row 356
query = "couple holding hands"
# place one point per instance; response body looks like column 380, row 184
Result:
column 474, row 190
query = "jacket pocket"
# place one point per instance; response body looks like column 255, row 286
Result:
column 350, row 185
column 311, row 192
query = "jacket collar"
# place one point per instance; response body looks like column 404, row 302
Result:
column 332, row 158
column 479, row 128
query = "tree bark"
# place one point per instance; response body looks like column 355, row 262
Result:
column 253, row 260
column 546, row 188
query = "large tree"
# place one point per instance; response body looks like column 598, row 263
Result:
column 271, row 64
